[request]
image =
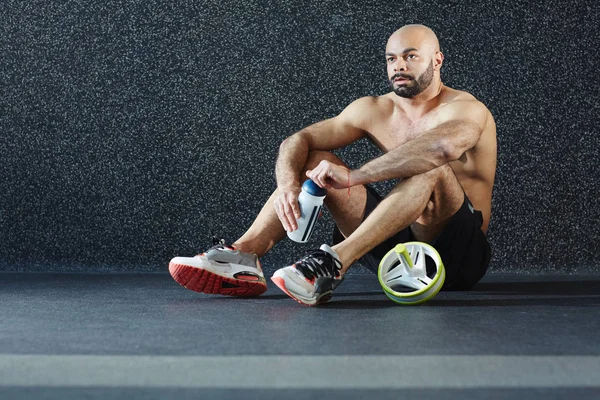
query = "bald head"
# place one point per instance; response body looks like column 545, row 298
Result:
column 416, row 36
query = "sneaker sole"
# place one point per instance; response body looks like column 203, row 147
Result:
column 203, row 281
column 280, row 282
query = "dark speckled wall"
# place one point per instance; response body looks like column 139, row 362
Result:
column 132, row 131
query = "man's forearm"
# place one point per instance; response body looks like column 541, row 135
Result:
column 432, row 149
column 420, row 155
column 396, row 164
column 293, row 154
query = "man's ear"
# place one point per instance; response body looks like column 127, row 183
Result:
column 439, row 60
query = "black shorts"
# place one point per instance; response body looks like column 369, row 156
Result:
column 462, row 245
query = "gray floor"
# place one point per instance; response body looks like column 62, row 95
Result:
column 143, row 336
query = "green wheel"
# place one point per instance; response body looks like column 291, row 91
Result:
column 407, row 277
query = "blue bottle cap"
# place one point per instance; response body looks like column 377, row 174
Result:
column 312, row 188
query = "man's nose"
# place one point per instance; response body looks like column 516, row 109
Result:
column 400, row 65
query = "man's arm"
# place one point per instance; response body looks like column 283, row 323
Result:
column 329, row 134
column 447, row 142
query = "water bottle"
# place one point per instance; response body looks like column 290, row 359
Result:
column 311, row 202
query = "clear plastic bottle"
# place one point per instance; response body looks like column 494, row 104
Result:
column 311, row 202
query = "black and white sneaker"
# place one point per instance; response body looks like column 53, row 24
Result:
column 312, row 279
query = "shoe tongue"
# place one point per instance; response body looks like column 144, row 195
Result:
column 329, row 250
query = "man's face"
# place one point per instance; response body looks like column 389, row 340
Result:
column 406, row 85
column 410, row 65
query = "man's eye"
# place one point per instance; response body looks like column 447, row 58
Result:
column 390, row 59
column 411, row 56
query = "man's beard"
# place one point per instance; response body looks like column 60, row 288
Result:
column 415, row 86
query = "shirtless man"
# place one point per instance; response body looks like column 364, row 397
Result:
column 440, row 143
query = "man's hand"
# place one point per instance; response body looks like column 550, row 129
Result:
column 287, row 207
column 329, row 175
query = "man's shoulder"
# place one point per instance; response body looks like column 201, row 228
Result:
column 374, row 101
column 461, row 105
column 373, row 105
column 368, row 107
column 460, row 97
column 455, row 103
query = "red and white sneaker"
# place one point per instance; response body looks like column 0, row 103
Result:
column 222, row 269
column 312, row 279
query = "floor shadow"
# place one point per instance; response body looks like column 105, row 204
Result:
column 507, row 301
column 504, row 301
column 356, row 304
column 544, row 288
column 485, row 294
column 568, row 293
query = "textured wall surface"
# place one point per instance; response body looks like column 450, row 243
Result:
column 133, row 131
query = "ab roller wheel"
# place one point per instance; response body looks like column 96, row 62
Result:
column 411, row 273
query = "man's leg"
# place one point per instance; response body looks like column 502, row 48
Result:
column 424, row 202
column 236, row 270
column 266, row 230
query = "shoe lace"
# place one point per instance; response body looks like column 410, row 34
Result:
column 311, row 268
column 219, row 244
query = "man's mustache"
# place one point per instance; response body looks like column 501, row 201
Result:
column 399, row 75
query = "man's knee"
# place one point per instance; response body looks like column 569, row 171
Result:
column 316, row 156
column 434, row 177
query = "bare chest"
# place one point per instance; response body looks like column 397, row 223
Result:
column 398, row 129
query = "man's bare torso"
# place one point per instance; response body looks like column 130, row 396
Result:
column 390, row 126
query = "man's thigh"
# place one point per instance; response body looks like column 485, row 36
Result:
column 447, row 197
